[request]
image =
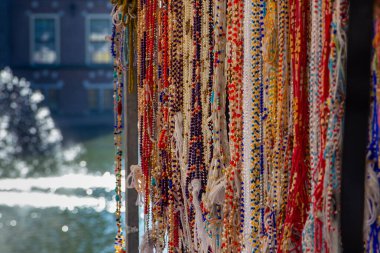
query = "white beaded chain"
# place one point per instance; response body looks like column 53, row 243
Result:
column 247, row 126
column 314, row 132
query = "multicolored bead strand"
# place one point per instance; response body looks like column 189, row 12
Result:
column 175, row 110
column 117, row 52
column 298, row 199
column 315, row 64
column 283, row 142
column 231, row 241
column 252, row 134
column 271, row 179
column 213, row 199
column 372, row 185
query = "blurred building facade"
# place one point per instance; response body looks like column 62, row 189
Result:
column 60, row 47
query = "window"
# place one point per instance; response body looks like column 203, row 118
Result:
column 100, row 100
column 51, row 98
column 108, row 99
column 51, row 94
column 93, row 99
column 99, row 97
column 98, row 26
column 45, row 40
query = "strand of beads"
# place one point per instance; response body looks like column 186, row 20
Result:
column 141, row 74
column 372, row 189
column 206, row 81
column 175, row 108
column 164, row 178
column 334, row 136
column 297, row 204
column 214, row 195
column 252, row 126
column 117, row 52
column 231, row 241
column 282, row 148
column 148, row 119
column 157, row 177
column 206, row 76
column 247, row 124
column 269, row 121
column 318, row 198
column 196, row 171
column 309, row 235
column 187, row 75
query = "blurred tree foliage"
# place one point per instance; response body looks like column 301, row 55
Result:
column 30, row 144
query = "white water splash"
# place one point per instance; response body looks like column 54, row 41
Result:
column 19, row 192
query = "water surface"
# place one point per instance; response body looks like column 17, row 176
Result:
column 69, row 210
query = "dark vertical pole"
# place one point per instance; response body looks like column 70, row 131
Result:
column 356, row 124
column 131, row 132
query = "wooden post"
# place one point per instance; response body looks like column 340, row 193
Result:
column 131, row 155
column 356, row 124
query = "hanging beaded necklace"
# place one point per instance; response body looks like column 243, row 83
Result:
column 187, row 62
column 372, row 189
column 163, row 173
column 206, row 65
column 196, row 168
column 271, row 180
column 148, row 104
column 297, row 203
column 282, row 146
column 252, row 134
column 309, row 236
column 117, row 47
column 231, row 241
column 319, row 86
column 209, row 215
column 175, row 108
column 196, row 171
column 214, row 196
column 334, row 135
